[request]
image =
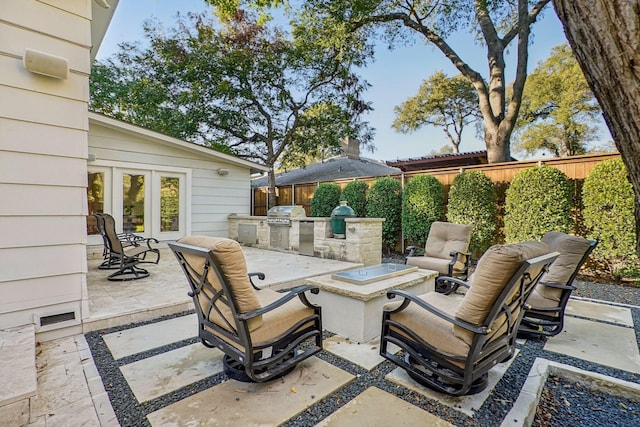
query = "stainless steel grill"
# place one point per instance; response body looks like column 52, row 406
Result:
column 281, row 215
column 279, row 221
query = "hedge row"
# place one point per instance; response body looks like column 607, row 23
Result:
column 539, row 199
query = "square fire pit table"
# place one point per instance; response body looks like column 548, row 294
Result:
column 352, row 300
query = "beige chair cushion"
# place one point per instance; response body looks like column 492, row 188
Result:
column 538, row 300
column 445, row 237
column 494, row 270
column 437, row 264
column 230, row 257
column 572, row 249
column 277, row 321
column 431, row 328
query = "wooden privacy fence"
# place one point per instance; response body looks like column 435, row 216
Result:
column 576, row 168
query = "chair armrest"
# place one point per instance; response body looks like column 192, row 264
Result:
column 426, row 306
column 453, row 281
column 299, row 291
column 558, row 286
column 412, row 251
column 260, row 276
column 455, row 256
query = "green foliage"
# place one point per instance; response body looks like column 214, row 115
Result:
column 243, row 83
column 325, row 199
column 472, row 200
column 355, row 193
column 607, row 196
column 557, row 107
column 537, row 200
column 384, row 200
column 422, row 204
column 447, row 102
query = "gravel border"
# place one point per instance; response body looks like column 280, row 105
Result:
column 492, row 412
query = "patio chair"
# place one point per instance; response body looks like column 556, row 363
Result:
column 446, row 251
column 546, row 305
column 125, row 255
column 263, row 334
column 451, row 343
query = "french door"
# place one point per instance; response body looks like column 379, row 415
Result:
column 148, row 202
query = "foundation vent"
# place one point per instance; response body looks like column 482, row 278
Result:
column 57, row 318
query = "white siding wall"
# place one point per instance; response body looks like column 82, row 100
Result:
column 213, row 197
column 43, row 150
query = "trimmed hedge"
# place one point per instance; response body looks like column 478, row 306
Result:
column 325, row 199
column 384, row 200
column 422, row 204
column 472, row 201
column 355, row 193
column 607, row 196
column 538, row 200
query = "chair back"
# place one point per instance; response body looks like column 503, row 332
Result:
column 217, row 274
column 574, row 251
column 445, row 237
column 503, row 279
column 110, row 235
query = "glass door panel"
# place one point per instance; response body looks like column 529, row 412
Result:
column 169, row 204
column 133, row 199
column 95, row 199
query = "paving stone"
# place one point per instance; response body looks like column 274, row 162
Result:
column 466, row 404
column 375, row 407
column 147, row 337
column 235, row 403
column 608, row 345
column 604, row 312
column 17, row 374
column 158, row 375
column 366, row 355
column 78, row 413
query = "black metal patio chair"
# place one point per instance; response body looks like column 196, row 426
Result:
column 263, row 334
column 547, row 303
column 124, row 252
column 451, row 343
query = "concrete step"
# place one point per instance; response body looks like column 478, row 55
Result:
column 19, row 384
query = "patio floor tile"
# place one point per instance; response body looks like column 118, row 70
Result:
column 606, row 313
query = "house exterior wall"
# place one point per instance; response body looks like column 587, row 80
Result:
column 211, row 197
column 43, row 167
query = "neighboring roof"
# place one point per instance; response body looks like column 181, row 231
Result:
column 174, row 142
column 329, row 170
column 441, row 161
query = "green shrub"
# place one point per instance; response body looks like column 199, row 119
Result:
column 355, row 193
column 538, row 200
column 607, row 196
column 472, row 200
column 384, row 200
column 422, row 204
column 325, row 199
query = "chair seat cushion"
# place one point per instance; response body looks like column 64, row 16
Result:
column 278, row 321
column 428, row 263
column 431, row 328
column 539, row 300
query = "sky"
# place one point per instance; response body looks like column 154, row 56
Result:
column 394, row 75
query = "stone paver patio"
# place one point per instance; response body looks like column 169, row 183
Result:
column 154, row 372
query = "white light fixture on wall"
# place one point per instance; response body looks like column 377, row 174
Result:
column 45, row 64
column 222, row 171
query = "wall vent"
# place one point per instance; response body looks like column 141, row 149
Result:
column 57, row 318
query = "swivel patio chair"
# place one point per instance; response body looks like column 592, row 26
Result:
column 263, row 334
column 446, row 251
column 126, row 254
column 547, row 303
column 451, row 343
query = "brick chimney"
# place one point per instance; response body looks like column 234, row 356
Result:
column 350, row 148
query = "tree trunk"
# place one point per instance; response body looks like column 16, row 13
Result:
column 497, row 139
column 271, row 196
column 605, row 37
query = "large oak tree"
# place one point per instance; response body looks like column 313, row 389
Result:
column 605, row 37
column 243, row 86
